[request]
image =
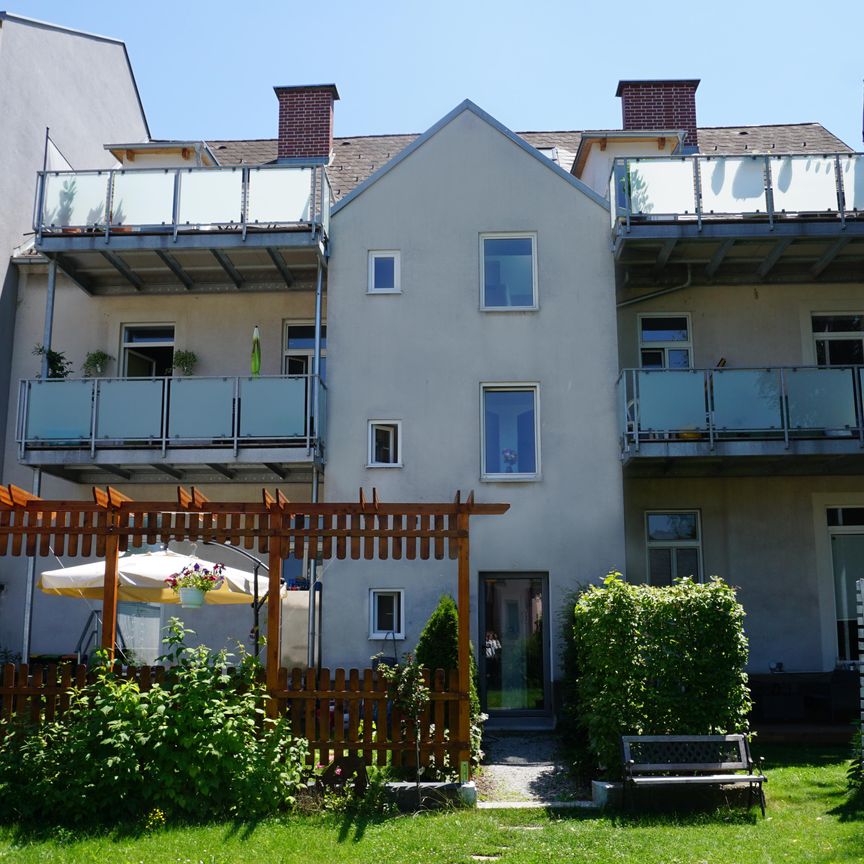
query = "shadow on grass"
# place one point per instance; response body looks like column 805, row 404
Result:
column 850, row 810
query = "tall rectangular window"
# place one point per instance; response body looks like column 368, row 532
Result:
column 508, row 271
column 148, row 350
column 664, row 341
column 299, row 349
column 510, row 432
column 386, row 613
column 846, row 530
column 674, row 546
column 385, row 444
column 839, row 339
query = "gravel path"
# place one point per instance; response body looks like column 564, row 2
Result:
column 525, row 766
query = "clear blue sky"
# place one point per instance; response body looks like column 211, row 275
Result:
column 206, row 69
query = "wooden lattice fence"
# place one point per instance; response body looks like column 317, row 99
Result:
column 348, row 713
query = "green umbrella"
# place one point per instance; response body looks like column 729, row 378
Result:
column 256, row 352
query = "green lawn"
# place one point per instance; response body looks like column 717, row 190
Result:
column 807, row 822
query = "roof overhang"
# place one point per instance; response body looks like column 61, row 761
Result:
column 602, row 137
column 185, row 150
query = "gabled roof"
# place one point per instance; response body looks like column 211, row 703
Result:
column 460, row 109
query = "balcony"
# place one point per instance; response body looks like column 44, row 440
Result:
column 738, row 219
column 783, row 420
column 182, row 229
column 144, row 430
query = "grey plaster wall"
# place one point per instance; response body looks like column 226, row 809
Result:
column 421, row 356
column 80, row 86
column 769, row 537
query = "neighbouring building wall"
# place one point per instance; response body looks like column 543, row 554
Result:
column 598, row 165
column 769, row 537
column 83, row 89
column 421, row 356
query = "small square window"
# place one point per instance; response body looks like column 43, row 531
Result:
column 384, row 273
column 385, row 444
column 386, row 607
column 508, row 271
column 510, row 432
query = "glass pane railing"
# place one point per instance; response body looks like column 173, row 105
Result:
column 279, row 195
column 59, row 411
column 273, row 407
column 143, row 198
column 74, row 199
column 821, row 399
column 130, row 409
column 113, row 413
column 671, row 401
column 183, row 199
column 724, row 405
column 747, row 400
column 201, row 408
column 779, row 186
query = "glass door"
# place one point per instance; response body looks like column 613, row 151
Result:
column 514, row 648
column 847, row 558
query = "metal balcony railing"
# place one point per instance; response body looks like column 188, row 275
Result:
column 776, row 404
column 703, row 188
column 165, row 413
column 177, row 200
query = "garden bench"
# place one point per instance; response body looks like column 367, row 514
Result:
column 668, row 760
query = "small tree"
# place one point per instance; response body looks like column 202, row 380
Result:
column 438, row 648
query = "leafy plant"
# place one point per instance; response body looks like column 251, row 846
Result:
column 197, row 746
column 410, row 695
column 855, row 773
column 95, row 363
column 185, row 361
column 195, row 576
column 58, row 365
column 7, row 655
column 652, row 660
column 438, row 648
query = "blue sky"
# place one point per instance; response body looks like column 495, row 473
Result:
column 206, row 70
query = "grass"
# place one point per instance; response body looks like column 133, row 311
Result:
column 808, row 821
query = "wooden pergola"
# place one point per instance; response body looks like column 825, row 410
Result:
column 366, row 529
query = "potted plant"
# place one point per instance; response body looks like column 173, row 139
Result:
column 194, row 581
column 185, row 362
column 58, row 365
column 95, row 363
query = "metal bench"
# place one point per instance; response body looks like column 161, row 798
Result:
column 667, row 760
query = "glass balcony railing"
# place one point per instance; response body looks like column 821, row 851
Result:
column 164, row 413
column 175, row 200
column 780, row 404
column 721, row 187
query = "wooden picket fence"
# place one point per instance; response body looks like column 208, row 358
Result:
column 343, row 714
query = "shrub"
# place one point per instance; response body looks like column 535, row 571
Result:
column 438, row 648
column 657, row 661
column 855, row 773
column 198, row 746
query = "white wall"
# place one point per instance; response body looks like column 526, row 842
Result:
column 420, row 357
column 598, row 165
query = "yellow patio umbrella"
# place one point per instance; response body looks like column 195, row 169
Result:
column 142, row 580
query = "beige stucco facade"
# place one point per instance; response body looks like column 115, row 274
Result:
column 421, row 356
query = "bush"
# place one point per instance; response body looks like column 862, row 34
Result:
column 659, row 661
column 855, row 773
column 438, row 648
column 198, row 746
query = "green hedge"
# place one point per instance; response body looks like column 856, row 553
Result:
column 656, row 661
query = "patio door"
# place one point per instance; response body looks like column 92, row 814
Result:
column 514, row 676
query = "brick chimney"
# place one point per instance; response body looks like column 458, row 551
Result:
column 660, row 105
column 306, row 121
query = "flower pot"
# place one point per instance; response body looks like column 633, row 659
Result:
column 191, row 598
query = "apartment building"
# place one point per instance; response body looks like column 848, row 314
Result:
column 624, row 334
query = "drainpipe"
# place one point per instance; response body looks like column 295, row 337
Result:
column 31, row 583
column 49, row 316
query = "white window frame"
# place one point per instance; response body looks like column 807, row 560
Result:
column 308, row 353
column 665, row 346
column 674, row 544
column 374, row 255
column 370, row 449
column 488, row 386
column 124, row 345
column 839, row 336
column 376, row 634
column 510, row 235
column 838, row 530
